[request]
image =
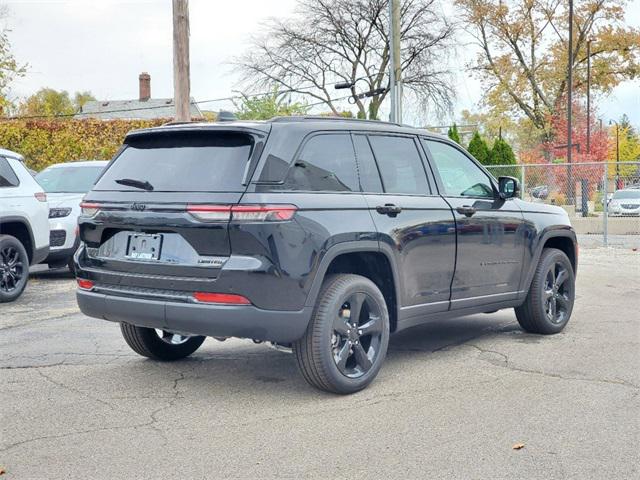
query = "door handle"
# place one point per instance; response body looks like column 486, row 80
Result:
column 466, row 210
column 388, row 209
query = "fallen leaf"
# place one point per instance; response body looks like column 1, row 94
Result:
column 2, row 471
column 518, row 446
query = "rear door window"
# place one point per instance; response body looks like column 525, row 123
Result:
column 182, row 162
column 367, row 168
column 8, row 178
column 326, row 163
column 400, row 165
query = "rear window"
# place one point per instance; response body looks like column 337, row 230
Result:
column 181, row 162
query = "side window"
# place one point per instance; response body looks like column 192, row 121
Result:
column 326, row 163
column 367, row 168
column 460, row 176
column 8, row 177
column 400, row 165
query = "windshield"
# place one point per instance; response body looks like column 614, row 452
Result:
column 181, row 162
column 71, row 179
column 620, row 194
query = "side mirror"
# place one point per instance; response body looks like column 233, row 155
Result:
column 508, row 187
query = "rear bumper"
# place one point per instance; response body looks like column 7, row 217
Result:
column 244, row 321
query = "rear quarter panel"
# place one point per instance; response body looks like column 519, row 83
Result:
column 295, row 249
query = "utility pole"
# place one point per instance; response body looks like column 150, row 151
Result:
column 395, row 69
column 570, row 185
column 181, row 87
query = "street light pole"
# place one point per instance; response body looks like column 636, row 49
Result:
column 395, row 70
column 617, row 155
column 589, row 95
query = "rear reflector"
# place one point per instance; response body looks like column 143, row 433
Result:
column 89, row 209
column 85, row 284
column 242, row 213
column 224, row 298
column 40, row 196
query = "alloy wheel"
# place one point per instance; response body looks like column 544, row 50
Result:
column 11, row 269
column 171, row 338
column 357, row 335
column 558, row 294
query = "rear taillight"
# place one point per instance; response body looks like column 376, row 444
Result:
column 89, row 209
column 210, row 213
column 221, row 298
column 40, row 196
column 263, row 213
column 85, row 284
column 242, row 213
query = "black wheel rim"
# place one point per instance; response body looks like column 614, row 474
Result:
column 558, row 294
column 357, row 335
column 11, row 269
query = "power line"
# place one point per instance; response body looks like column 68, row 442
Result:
column 235, row 97
column 213, row 100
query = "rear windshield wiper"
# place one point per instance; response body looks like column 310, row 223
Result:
column 132, row 182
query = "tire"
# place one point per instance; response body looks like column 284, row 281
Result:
column 549, row 302
column 14, row 268
column 324, row 355
column 72, row 266
column 159, row 344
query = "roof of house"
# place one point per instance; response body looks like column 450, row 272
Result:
column 133, row 109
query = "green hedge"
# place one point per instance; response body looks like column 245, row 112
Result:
column 46, row 142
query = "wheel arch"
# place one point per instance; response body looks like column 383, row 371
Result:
column 364, row 258
column 563, row 239
column 19, row 228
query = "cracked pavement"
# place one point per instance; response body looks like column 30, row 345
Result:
column 450, row 402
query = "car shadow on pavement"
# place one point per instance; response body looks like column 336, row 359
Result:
column 443, row 334
column 43, row 272
column 244, row 368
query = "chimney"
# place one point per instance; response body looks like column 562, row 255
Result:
column 144, row 80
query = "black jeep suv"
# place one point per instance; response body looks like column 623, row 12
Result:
column 322, row 235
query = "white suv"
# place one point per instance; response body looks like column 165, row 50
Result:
column 65, row 184
column 24, row 225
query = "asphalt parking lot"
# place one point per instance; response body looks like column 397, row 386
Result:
column 451, row 401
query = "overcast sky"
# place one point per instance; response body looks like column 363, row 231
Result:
column 103, row 45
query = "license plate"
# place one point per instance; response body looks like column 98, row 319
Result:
column 144, row 247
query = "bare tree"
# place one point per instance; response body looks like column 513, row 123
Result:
column 329, row 41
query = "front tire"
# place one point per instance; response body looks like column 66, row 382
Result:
column 549, row 303
column 159, row 344
column 14, row 268
column 346, row 341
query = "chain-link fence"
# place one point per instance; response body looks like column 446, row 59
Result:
column 601, row 198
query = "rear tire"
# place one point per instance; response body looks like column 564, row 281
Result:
column 549, row 303
column 346, row 341
column 168, row 347
column 14, row 268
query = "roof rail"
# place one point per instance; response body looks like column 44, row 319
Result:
column 303, row 118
